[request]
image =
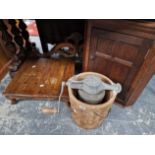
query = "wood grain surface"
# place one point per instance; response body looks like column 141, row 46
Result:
column 121, row 50
column 40, row 79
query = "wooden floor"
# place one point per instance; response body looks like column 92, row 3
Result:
column 40, row 79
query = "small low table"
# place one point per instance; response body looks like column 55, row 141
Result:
column 40, row 79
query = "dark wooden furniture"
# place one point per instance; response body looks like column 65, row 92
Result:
column 5, row 60
column 40, row 79
column 122, row 50
column 35, row 75
column 55, row 30
column 7, row 48
column 14, row 40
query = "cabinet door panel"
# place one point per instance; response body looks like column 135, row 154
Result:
column 117, row 56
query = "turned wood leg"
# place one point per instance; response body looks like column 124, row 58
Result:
column 13, row 101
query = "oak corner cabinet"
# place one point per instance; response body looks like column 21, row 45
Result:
column 123, row 50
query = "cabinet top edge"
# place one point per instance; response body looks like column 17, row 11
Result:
column 140, row 28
